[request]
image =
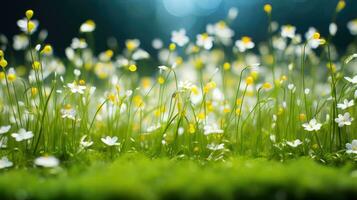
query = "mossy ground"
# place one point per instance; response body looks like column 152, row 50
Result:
column 135, row 176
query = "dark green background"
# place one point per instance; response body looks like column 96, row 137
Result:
column 141, row 19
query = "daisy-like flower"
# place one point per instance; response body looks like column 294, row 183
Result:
column 87, row 27
column 132, row 44
column 212, row 128
column 68, row 112
column 20, row 42
column 205, row 41
column 344, row 120
column 179, row 37
column 310, row 36
column 352, row 27
column 215, row 147
column 244, row 44
column 351, row 147
column 110, row 141
column 313, row 125
column 346, row 104
column 352, row 80
column 85, row 144
column 23, row 25
column 4, row 129
column 5, row 162
column 288, row 31
column 22, row 135
column 222, row 32
column 79, row 43
column 75, row 88
column 47, row 161
column 294, row 143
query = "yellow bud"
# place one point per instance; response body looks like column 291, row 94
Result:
column 82, row 82
column 226, row 66
column 316, row 35
column 109, row 53
column 47, row 49
column 11, row 77
column 132, row 68
column 1, row 53
column 36, row 65
column 340, row 5
column 34, row 91
column 3, row 63
column 191, row 128
column 238, row 111
column 161, row 80
column 266, row 85
column 2, row 75
column 302, row 117
column 111, row 97
column 29, row 14
column 30, row 26
column 172, row 47
column 267, row 8
column 249, row 80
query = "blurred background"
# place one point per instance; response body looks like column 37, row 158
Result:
column 148, row 19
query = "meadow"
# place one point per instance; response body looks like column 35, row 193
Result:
column 221, row 117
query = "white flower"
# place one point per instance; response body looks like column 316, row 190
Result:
column 313, row 125
column 22, row 135
column 244, row 44
column 344, row 120
column 110, row 141
column 4, row 129
column 78, row 43
column 352, row 26
column 68, row 112
column 346, row 104
column 288, row 31
column 272, row 138
column 294, row 143
column 221, row 31
column 179, row 37
column 215, row 147
column 232, row 13
column 157, row 43
column 75, row 88
column 351, row 147
column 140, row 54
column 185, row 85
column 84, row 143
column 332, row 29
column 205, row 41
column 5, row 162
column 22, row 24
column 47, row 161
column 153, row 128
column 212, row 128
column 20, row 42
column 352, row 80
column 87, row 26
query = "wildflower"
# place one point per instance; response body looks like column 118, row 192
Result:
column 4, row 129
column 313, row 38
column 132, row 68
column 294, row 143
column 36, row 65
column 3, row 62
column 346, row 104
column 161, row 80
column 215, row 147
column 78, row 43
column 267, row 8
column 332, row 29
column 110, row 141
column 179, row 37
column 340, row 5
column 47, row 161
column 132, row 44
column 157, row 43
column 222, row 32
column 288, row 31
column 27, row 26
column 351, row 147
column 302, row 117
column 140, row 54
column 344, row 120
column 244, row 44
column 205, row 41
column 85, row 144
column 352, row 26
column 172, row 47
column 313, row 125
column 266, row 86
column 226, row 66
column 87, row 27
column 68, row 112
column 232, row 13
column 22, row 135
column 47, row 50
column 75, row 88
column 212, row 129
column 352, row 80
column 249, row 80
column 5, row 163
column 29, row 14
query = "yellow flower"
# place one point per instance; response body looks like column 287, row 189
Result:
column 30, row 26
column 161, row 80
column 138, row 101
column 131, row 45
column 266, row 86
column 29, row 14
column 34, row 91
column 47, row 49
column 109, row 53
column 198, row 63
column 2, row 75
column 239, row 101
column 172, row 47
column 132, row 68
column 249, row 80
column 36, row 65
column 340, row 5
column 316, row 36
column 302, row 117
column 82, row 82
column 191, row 128
column 226, row 66
column 111, row 97
column 238, row 111
column 267, row 8
column 11, row 77
column 3, row 63
column 201, row 116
